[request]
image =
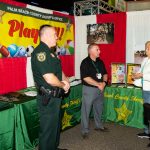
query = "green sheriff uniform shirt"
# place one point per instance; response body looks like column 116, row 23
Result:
column 43, row 61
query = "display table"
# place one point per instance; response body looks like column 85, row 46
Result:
column 124, row 106
column 20, row 124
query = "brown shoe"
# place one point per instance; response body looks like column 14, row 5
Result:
column 104, row 129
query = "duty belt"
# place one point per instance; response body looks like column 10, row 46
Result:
column 55, row 92
column 47, row 94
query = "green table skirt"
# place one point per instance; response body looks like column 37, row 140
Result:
column 124, row 106
column 19, row 125
column 7, row 129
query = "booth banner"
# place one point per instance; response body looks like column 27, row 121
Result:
column 71, row 108
column 19, row 31
column 124, row 106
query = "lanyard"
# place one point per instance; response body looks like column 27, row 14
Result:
column 97, row 70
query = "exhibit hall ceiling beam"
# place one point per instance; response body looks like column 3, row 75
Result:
column 93, row 7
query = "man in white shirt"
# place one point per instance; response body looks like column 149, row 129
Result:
column 144, row 75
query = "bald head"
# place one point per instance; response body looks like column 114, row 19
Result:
column 147, row 48
column 93, row 50
column 147, row 44
column 91, row 46
column 48, row 35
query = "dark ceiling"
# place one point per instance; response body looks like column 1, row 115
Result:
column 59, row 5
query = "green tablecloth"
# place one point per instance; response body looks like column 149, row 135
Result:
column 19, row 125
column 124, row 106
column 7, row 129
column 71, row 106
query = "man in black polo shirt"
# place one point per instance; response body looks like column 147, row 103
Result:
column 94, row 79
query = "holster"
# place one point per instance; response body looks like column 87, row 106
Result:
column 45, row 100
column 48, row 94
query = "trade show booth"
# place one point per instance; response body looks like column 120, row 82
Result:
column 120, row 39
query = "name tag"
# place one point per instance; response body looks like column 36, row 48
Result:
column 99, row 75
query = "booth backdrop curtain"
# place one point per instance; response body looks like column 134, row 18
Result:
column 13, row 74
column 138, row 32
column 68, row 64
column 80, row 38
column 114, row 52
column 29, row 74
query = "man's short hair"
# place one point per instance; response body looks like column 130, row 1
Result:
column 91, row 45
column 42, row 29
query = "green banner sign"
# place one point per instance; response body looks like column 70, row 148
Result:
column 71, row 108
column 124, row 105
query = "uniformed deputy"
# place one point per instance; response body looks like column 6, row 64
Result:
column 94, row 79
column 49, row 79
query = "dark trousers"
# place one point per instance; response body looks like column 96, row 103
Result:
column 50, row 123
column 147, row 114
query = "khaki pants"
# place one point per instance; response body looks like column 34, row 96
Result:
column 91, row 97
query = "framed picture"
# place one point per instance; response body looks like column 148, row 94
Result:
column 118, row 73
column 100, row 33
column 132, row 68
column 139, row 56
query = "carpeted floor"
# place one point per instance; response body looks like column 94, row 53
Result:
column 119, row 138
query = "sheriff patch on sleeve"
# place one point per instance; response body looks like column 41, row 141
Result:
column 41, row 56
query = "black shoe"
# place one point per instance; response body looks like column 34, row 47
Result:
column 85, row 135
column 62, row 149
column 143, row 135
column 104, row 129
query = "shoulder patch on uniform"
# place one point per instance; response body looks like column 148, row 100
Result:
column 41, row 56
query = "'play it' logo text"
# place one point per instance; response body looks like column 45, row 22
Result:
column 18, row 27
